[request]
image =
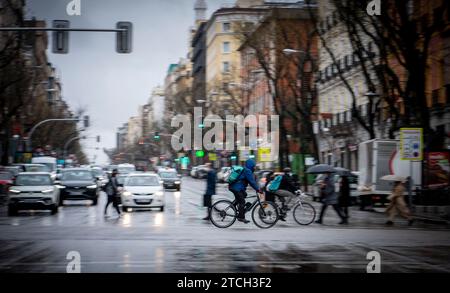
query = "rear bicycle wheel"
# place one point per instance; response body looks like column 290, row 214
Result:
column 265, row 215
column 223, row 214
column 304, row 213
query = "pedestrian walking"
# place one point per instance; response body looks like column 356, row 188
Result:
column 397, row 204
column 329, row 197
column 211, row 179
column 344, row 195
column 112, row 193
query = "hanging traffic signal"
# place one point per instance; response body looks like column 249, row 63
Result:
column 124, row 38
column 60, row 39
column 156, row 136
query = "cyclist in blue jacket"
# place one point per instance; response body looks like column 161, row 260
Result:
column 239, row 187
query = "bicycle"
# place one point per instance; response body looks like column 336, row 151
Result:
column 304, row 213
column 223, row 213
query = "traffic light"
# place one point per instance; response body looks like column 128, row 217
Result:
column 124, row 39
column 201, row 125
column 156, row 136
column 98, row 138
column 60, row 39
column 86, row 121
column 233, row 157
column 200, row 154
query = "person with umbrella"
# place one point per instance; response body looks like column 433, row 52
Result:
column 344, row 195
column 329, row 196
column 397, row 204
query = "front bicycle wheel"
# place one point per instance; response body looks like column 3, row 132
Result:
column 223, row 214
column 304, row 213
column 265, row 214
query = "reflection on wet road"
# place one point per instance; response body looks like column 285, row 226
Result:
column 177, row 240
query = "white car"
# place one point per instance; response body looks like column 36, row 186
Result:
column 223, row 174
column 143, row 190
column 33, row 190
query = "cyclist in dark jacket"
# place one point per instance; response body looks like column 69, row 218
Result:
column 239, row 187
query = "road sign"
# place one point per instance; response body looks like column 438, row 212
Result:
column 212, row 156
column 411, row 144
column 264, row 155
column 60, row 39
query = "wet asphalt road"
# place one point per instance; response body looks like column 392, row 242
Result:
column 177, row 240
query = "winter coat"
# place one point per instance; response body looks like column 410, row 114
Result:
column 245, row 178
column 329, row 195
column 344, row 192
column 211, row 180
column 397, row 201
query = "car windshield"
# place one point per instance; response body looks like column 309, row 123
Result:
column 37, row 168
column 5, row 176
column 33, row 180
column 82, row 175
column 126, row 170
column 142, row 181
column 121, row 179
column 97, row 172
column 168, row 175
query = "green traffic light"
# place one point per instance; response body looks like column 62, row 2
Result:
column 201, row 126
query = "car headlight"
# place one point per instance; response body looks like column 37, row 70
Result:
column 159, row 193
column 14, row 191
column 47, row 191
column 177, row 182
column 126, row 193
column 91, row 186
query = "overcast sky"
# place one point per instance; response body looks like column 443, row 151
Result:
column 111, row 86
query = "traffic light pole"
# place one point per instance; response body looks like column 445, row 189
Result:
column 49, row 29
column 30, row 134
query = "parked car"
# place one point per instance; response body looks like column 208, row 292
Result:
column 126, row 168
column 15, row 170
column 50, row 162
column 193, row 172
column 143, row 191
column 170, row 179
column 79, row 184
column 33, row 167
column 202, row 172
column 33, row 190
column 6, row 180
column 100, row 175
column 222, row 175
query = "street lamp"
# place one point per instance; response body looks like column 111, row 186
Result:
column 293, row 51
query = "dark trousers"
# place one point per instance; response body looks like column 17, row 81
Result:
column 344, row 210
column 335, row 207
column 240, row 199
column 113, row 200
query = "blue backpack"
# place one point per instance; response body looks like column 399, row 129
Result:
column 275, row 183
column 235, row 172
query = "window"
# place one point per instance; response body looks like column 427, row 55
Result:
column 435, row 97
column 226, row 27
column 226, row 47
column 226, row 67
column 447, row 89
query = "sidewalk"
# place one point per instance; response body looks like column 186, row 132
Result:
column 377, row 218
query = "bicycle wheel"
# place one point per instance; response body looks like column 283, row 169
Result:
column 304, row 213
column 265, row 215
column 223, row 214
